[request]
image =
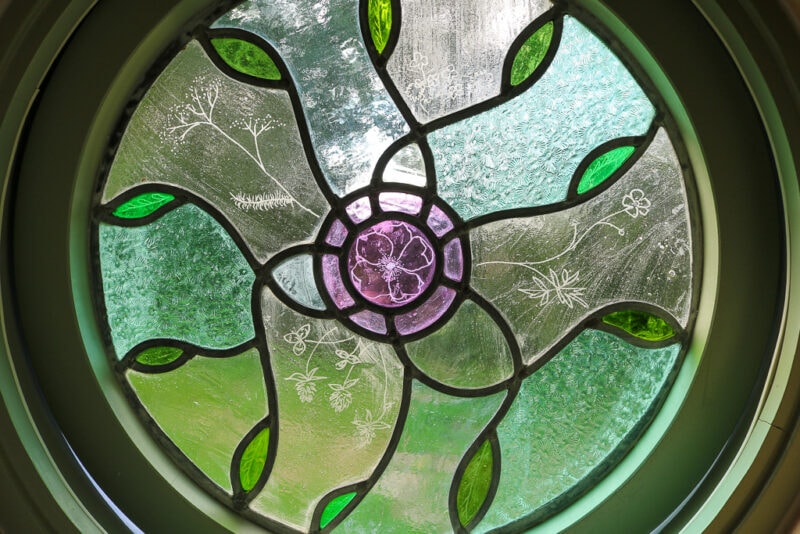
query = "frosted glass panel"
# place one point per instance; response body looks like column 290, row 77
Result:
column 412, row 494
column 206, row 407
column 450, row 54
column 232, row 144
column 159, row 279
column 630, row 243
column 350, row 115
column 524, row 152
column 578, row 413
column 406, row 167
column 296, row 278
column 338, row 396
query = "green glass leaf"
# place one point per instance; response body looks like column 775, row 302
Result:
column 253, row 460
column 379, row 14
column 640, row 324
column 335, row 507
column 155, row 356
column 247, row 58
column 531, row 53
column 604, row 166
column 475, row 483
column 142, row 205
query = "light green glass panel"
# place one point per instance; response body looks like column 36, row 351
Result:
column 640, row 324
column 474, row 485
column 469, row 351
column 604, row 166
column 159, row 281
column 156, row 356
column 413, row 493
column 253, row 460
column 296, row 278
column 632, row 242
column 531, row 54
column 246, row 58
column 143, row 205
column 379, row 15
column 206, row 407
column 335, row 507
column 338, row 399
column 574, row 416
column 235, row 145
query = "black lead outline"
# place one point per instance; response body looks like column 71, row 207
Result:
column 416, row 136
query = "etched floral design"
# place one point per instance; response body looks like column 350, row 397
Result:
column 562, row 287
column 636, row 203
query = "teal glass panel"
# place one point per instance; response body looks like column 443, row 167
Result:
column 379, row 16
column 335, row 507
column 413, row 492
column 246, row 58
column 160, row 279
column 469, row 351
column 350, row 115
column 142, row 205
column 604, row 166
column 338, row 398
column 296, row 278
column 206, row 407
column 524, row 152
column 253, row 459
column 531, row 54
column 640, row 324
column 234, row 145
column 474, row 485
column 574, row 417
column 630, row 243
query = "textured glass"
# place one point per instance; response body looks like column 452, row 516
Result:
column 573, row 417
column 412, row 493
column 156, row 356
column 406, row 167
column 336, row 234
column 402, row 202
column 531, row 54
column 351, row 117
column 450, row 55
column 246, row 58
column 206, row 407
column 439, row 222
column 143, row 205
column 296, row 278
column 391, row 263
column 474, row 486
column 603, row 167
column 332, row 277
column 338, row 395
column 360, row 210
column 640, row 324
column 253, row 460
column 524, row 152
column 379, row 16
column 159, row 279
column 335, row 507
column 453, row 260
column 469, row 351
column 370, row 320
column 427, row 314
column 232, row 144
column 630, row 243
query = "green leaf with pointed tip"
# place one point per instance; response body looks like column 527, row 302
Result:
column 155, row 356
column 334, row 508
column 640, row 324
column 531, row 53
column 379, row 15
column 142, row 205
column 246, row 57
column 475, row 483
column 253, row 460
column 604, row 166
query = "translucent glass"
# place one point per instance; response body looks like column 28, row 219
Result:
column 159, row 279
column 370, row 320
column 531, row 54
column 427, row 314
column 402, row 202
column 338, row 399
column 234, row 145
column 453, row 260
column 603, row 167
column 351, row 117
column 412, row 494
column 524, row 152
column 336, row 234
column 246, row 58
column 640, row 324
column 630, row 243
column 579, row 412
column 406, row 167
column 450, row 55
column 206, row 407
column 332, row 278
column 473, row 488
column 439, row 222
column 296, row 278
column 360, row 210
column 379, row 16
column 469, row 351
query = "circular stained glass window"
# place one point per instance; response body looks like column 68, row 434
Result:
column 396, row 265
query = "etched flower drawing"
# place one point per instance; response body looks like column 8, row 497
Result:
column 362, row 278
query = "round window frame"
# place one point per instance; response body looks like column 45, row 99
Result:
column 38, row 287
